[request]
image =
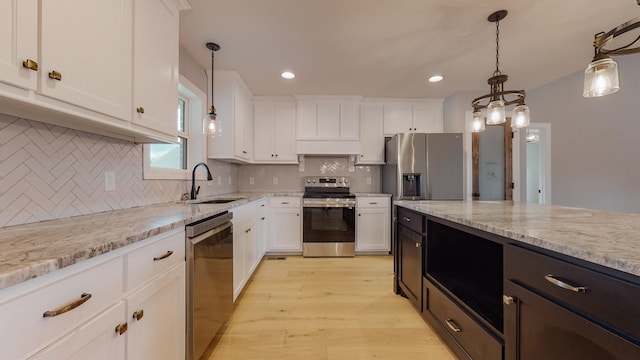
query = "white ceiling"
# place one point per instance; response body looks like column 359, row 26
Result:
column 388, row 48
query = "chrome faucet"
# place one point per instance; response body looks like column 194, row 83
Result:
column 194, row 190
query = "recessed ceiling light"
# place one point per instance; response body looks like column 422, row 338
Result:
column 288, row 75
column 435, row 78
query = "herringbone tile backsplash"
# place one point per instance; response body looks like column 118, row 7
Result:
column 51, row 172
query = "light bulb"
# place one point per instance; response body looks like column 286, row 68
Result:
column 520, row 116
column 477, row 125
column 209, row 123
column 495, row 113
column 601, row 78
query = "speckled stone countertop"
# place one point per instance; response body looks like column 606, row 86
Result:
column 31, row 250
column 611, row 239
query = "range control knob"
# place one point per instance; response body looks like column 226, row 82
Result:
column 308, row 181
column 346, row 181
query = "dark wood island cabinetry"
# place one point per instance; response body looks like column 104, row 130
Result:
column 493, row 297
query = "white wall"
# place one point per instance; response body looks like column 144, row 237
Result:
column 595, row 155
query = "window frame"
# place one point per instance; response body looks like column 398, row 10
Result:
column 195, row 110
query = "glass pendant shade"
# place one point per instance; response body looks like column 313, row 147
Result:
column 520, row 116
column 495, row 113
column 601, row 78
column 209, row 123
column 477, row 125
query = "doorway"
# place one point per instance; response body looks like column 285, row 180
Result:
column 538, row 165
column 492, row 171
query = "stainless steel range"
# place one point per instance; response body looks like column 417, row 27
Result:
column 329, row 211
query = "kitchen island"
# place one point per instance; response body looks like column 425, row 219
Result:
column 510, row 280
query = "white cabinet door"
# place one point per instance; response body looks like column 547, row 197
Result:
column 285, row 233
column 427, row 118
column 373, row 225
column 349, row 121
column 285, row 133
column 264, row 128
column 156, row 315
column 307, row 113
column 96, row 339
column 371, row 134
column 18, row 42
column 275, row 132
column 155, row 65
column 262, row 229
column 398, row 118
column 87, row 44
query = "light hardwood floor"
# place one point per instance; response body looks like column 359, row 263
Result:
column 329, row 309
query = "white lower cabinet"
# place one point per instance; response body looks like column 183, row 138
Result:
column 373, row 225
column 285, row 225
column 83, row 311
column 156, row 318
column 97, row 339
column 247, row 252
column 262, row 228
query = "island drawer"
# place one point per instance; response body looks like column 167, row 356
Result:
column 593, row 294
column 466, row 332
column 155, row 256
column 71, row 297
column 412, row 220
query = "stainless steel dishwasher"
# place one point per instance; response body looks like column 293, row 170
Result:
column 209, row 280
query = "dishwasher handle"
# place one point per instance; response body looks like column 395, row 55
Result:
column 211, row 232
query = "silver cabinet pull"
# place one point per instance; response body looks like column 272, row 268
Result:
column 373, row 203
column 557, row 282
column 284, row 203
column 507, row 300
column 83, row 299
column 406, row 219
column 164, row 256
column 453, row 326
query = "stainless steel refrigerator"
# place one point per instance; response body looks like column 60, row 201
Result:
column 423, row 167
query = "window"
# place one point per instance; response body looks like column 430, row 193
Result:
column 173, row 161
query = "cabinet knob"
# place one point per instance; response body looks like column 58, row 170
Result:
column 297, row 214
column 262, row 218
column 55, row 75
column 30, row 64
column 271, row 155
column 138, row 314
column 406, row 219
column 276, row 155
column 417, row 245
column 244, row 152
column 122, row 328
column 507, row 300
column 359, row 214
column 140, row 110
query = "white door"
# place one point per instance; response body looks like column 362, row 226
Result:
column 427, row 118
column 371, row 134
column 398, row 119
column 285, row 226
column 155, row 64
column 373, row 229
column 538, row 165
column 285, row 133
column 264, row 139
column 156, row 315
column 89, row 55
column 18, row 42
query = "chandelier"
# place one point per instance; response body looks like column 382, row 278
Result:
column 498, row 98
column 601, row 76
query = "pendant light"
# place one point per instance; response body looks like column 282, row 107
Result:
column 601, row 76
column 498, row 99
column 210, row 126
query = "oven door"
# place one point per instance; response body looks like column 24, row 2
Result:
column 328, row 229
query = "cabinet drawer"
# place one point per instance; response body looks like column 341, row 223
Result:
column 25, row 327
column 608, row 299
column 372, row 202
column 470, row 335
column 285, row 202
column 412, row 220
column 158, row 255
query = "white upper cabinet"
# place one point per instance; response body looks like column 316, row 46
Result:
column 234, row 141
column 86, row 52
column 155, row 64
column 19, row 42
column 371, row 134
column 405, row 116
column 274, row 130
column 90, row 64
column 328, row 118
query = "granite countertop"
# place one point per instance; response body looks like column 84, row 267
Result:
column 611, row 239
column 32, row 250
